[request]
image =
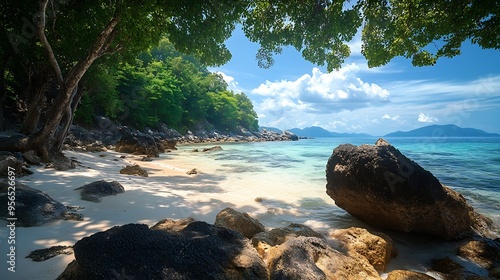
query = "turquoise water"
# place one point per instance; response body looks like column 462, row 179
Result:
column 290, row 179
column 291, row 175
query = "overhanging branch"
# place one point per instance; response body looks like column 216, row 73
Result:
column 41, row 24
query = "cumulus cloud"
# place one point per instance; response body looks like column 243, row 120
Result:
column 231, row 83
column 321, row 93
column 426, row 118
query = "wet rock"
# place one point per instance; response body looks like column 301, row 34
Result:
column 135, row 170
column 199, row 251
column 238, row 221
column 408, row 275
column 452, row 270
column 212, row 149
column 33, row 207
column 264, row 241
column 291, row 135
column 172, row 225
column 314, row 258
column 41, row 255
column 382, row 187
column 484, row 252
column 98, row 189
column 377, row 248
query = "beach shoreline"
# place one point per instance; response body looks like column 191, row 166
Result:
column 168, row 192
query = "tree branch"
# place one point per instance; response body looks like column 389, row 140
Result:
column 41, row 24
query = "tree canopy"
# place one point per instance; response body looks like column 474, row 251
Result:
column 48, row 46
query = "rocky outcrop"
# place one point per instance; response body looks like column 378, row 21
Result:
column 377, row 248
column 314, row 258
column 33, row 207
column 408, row 275
column 238, row 221
column 199, row 251
column 135, row 170
column 264, row 241
column 137, row 143
column 96, row 190
column 382, row 187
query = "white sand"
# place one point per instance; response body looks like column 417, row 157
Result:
column 167, row 193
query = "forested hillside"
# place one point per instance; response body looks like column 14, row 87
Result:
column 158, row 86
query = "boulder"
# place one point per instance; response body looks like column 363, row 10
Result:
column 96, row 190
column 137, row 143
column 33, row 207
column 9, row 162
column 135, row 170
column 377, row 248
column 238, row 221
column 408, row 275
column 382, row 187
column 264, row 241
column 292, row 136
column 133, row 251
column 451, row 270
column 193, row 171
column 484, row 252
column 32, row 158
column 172, row 225
column 314, row 258
column 212, row 149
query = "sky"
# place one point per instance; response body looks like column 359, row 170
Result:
column 294, row 93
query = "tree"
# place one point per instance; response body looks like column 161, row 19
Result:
column 67, row 37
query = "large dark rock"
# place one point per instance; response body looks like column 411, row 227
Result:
column 96, row 190
column 133, row 251
column 137, row 143
column 313, row 258
column 382, row 187
column 33, row 207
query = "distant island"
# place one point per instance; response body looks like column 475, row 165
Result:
column 449, row 130
column 316, row 131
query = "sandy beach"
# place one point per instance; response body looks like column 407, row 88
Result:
column 168, row 192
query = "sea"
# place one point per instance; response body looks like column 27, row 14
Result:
column 284, row 182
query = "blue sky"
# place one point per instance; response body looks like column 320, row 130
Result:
column 464, row 90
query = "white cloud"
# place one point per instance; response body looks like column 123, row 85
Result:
column 426, row 118
column 321, row 93
column 231, row 83
column 394, row 118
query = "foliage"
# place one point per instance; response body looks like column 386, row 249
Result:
column 164, row 86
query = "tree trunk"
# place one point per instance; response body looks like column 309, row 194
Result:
column 68, row 120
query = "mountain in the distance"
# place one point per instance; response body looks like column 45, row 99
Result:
column 316, row 131
column 449, row 130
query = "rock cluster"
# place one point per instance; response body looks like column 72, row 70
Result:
column 188, row 249
column 106, row 134
column 384, row 188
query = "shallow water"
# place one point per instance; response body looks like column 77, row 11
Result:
column 290, row 179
